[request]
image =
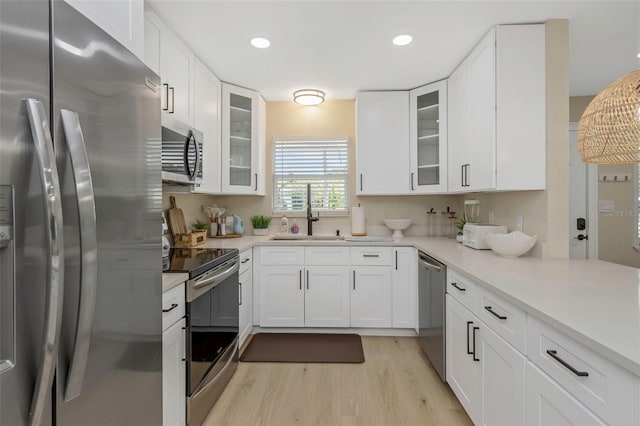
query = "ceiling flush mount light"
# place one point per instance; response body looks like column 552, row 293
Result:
column 308, row 96
column 260, row 42
column 609, row 129
column 402, row 39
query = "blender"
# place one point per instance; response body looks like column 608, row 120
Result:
column 472, row 211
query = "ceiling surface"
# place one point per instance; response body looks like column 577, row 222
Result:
column 345, row 46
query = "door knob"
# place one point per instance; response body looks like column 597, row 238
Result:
column 582, row 237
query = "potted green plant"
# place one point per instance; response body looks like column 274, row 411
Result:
column 260, row 224
column 460, row 226
column 200, row 225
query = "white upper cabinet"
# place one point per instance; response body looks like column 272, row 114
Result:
column 241, row 140
column 122, row 19
column 208, row 119
column 428, row 138
column 472, row 120
column 382, row 143
column 497, row 127
column 166, row 54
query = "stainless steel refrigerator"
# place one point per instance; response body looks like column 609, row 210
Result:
column 80, row 211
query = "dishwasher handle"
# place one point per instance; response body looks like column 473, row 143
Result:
column 430, row 265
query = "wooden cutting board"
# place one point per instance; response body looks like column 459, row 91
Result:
column 176, row 218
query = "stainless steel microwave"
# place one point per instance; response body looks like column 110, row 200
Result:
column 181, row 154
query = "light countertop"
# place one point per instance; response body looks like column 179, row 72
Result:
column 172, row 279
column 595, row 302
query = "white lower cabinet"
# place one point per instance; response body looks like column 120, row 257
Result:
column 246, row 305
column 502, row 380
column 336, row 286
column 484, row 371
column 549, row 404
column 174, row 375
column 405, row 295
column 174, row 370
column 462, row 374
column 326, row 299
column 281, row 296
column 370, row 296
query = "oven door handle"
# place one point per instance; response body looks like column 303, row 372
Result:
column 216, row 279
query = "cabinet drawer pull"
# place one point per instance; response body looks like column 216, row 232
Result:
column 459, row 288
column 554, row 354
column 474, row 344
column 396, row 260
column 245, row 261
column 300, row 279
column 492, row 312
column 468, row 350
column 360, row 181
column 412, row 188
column 370, row 255
column 173, row 306
column 173, row 100
column 307, row 279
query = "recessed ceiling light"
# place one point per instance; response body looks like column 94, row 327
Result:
column 402, row 40
column 638, row 55
column 260, row 42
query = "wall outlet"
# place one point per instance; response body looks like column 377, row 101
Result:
column 519, row 223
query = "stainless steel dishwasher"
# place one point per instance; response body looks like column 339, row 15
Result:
column 432, row 281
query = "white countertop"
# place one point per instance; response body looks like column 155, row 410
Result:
column 173, row 279
column 595, row 302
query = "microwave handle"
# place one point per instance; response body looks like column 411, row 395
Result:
column 187, row 143
column 198, row 159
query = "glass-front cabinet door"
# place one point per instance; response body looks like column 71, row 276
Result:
column 240, row 140
column 428, row 138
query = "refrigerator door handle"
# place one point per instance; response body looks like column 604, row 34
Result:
column 53, row 225
column 89, row 252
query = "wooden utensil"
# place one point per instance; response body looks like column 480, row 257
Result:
column 176, row 218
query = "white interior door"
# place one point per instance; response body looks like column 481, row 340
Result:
column 583, row 199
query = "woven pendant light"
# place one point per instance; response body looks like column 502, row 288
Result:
column 609, row 129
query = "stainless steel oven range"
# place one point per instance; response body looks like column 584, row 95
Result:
column 212, row 294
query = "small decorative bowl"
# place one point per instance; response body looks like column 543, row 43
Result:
column 513, row 244
column 397, row 226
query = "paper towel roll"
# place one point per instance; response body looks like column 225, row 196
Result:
column 357, row 221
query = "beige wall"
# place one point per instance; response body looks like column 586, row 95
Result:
column 577, row 105
column 615, row 230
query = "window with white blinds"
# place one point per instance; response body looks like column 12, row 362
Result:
column 322, row 163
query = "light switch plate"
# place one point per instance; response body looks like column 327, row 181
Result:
column 606, row 206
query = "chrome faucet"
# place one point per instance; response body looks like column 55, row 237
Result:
column 310, row 217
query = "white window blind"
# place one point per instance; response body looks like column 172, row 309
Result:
column 322, row 163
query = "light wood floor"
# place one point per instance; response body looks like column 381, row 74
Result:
column 396, row 385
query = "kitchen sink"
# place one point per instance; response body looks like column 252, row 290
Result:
column 294, row 237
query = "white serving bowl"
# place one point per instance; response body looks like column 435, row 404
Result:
column 397, row 226
column 513, row 244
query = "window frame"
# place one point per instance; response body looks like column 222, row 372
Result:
column 323, row 212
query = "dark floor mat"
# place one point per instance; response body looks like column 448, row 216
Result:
column 304, row 347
